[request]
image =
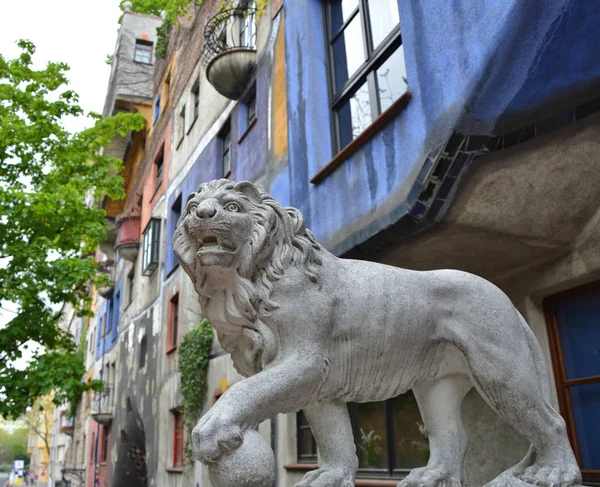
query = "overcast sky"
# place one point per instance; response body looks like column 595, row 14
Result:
column 80, row 33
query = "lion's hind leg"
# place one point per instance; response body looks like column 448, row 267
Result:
column 507, row 376
column 440, row 402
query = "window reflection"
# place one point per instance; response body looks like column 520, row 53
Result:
column 367, row 62
column 384, row 16
column 412, row 439
column 391, row 79
column 348, row 52
column 340, row 12
column 371, row 437
column 354, row 116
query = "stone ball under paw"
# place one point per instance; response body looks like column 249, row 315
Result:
column 251, row 465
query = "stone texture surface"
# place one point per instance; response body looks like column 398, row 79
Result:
column 251, row 465
column 310, row 331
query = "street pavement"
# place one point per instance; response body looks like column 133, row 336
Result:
column 3, row 478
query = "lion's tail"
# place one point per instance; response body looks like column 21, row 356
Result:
column 539, row 362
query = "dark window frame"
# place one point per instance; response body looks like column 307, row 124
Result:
column 131, row 278
column 301, row 426
column 182, row 117
column 225, row 138
column 550, row 304
column 148, row 48
column 159, row 169
column 365, row 74
column 251, row 108
column 392, row 471
column 151, row 247
column 157, row 107
column 175, row 215
column 143, row 352
column 196, row 99
column 173, row 324
column 178, row 438
column 104, row 446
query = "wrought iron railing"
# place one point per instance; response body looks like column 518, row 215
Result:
column 231, row 28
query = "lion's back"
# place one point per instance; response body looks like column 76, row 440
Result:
column 408, row 319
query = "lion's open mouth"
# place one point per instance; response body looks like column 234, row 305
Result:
column 215, row 243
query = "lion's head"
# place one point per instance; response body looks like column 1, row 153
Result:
column 235, row 241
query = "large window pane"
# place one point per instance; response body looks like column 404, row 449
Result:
column 371, row 435
column 585, row 402
column 340, row 12
column 384, row 17
column 391, row 78
column 354, row 116
column 577, row 321
column 412, row 443
column 348, row 52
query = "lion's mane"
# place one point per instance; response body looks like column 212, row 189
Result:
column 279, row 241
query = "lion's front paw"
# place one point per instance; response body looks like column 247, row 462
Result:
column 328, row 477
column 552, row 475
column 431, row 477
column 213, row 437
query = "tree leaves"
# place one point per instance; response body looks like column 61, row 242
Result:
column 47, row 176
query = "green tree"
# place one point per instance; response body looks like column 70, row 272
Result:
column 177, row 8
column 13, row 446
column 47, row 177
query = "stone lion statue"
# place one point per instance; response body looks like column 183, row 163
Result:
column 311, row 331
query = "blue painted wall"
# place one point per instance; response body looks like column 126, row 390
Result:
column 469, row 64
column 112, row 309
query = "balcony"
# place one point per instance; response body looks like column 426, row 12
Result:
column 67, row 426
column 229, row 52
column 128, row 244
column 102, row 406
column 107, row 268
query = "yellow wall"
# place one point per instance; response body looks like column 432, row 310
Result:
column 280, row 129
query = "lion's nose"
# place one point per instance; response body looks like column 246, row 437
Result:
column 206, row 210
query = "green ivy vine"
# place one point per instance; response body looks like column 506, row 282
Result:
column 194, row 353
column 162, row 38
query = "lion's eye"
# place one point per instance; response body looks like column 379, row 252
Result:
column 233, row 207
column 192, row 207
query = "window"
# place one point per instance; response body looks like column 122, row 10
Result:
column 131, row 278
column 225, row 137
column 181, row 124
column 143, row 51
column 390, row 436
column 251, row 104
column 575, row 343
column 248, row 30
column 178, row 433
column 92, row 448
column 150, row 255
column 173, row 324
column 366, row 63
column 143, row 352
column 157, row 106
column 115, row 309
column 104, row 323
column 104, row 446
column 159, row 164
column 307, row 446
column 173, row 219
column 196, row 97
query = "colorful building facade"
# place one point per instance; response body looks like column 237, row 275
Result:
column 438, row 135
